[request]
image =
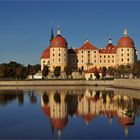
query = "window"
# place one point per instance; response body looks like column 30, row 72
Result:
column 122, row 54
column 112, row 61
column 122, row 50
column 104, row 61
column 53, row 50
column 94, row 56
column 127, row 54
column 112, row 56
column 88, row 51
column 108, row 56
column 82, row 51
column 104, row 56
column 100, row 61
column 59, row 54
column 100, row 56
column 122, row 59
column 127, row 59
column 53, row 54
column 53, row 59
column 82, row 61
column 128, row 50
column 94, row 61
column 108, row 61
column 59, row 60
column 94, row 51
column 43, row 61
column 59, row 50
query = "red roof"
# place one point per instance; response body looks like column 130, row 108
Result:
column 109, row 49
column 46, row 53
column 58, row 42
column 93, row 70
column 88, row 46
column 125, row 41
column 88, row 117
column 46, row 110
column 59, row 123
column 124, row 121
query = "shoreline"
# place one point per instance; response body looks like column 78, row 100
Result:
column 116, row 83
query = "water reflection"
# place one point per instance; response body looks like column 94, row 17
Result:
column 87, row 104
column 9, row 96
column 61, row 106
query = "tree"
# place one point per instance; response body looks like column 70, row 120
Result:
column 68, row 70
column 111, row 71
column 96, row 73
column 2, row 71
column 104, row 69
column 136, row 69
column 45, row 71
column 57, row 71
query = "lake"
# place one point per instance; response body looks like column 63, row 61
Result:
column 69, row 113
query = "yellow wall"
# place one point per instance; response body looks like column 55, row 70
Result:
column 56, row 60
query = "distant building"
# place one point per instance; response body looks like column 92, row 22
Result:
column 88, row 55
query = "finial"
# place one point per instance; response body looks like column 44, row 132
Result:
column 59, row 133
column 110, row 41
column 126, row 131
column 86, row 41
column 125, row 32
column 58, row 30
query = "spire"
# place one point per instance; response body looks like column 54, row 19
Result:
column 110, row 41
column 125, row 32
column 52, row 36
column 58, row 30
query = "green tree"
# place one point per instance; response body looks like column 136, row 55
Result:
column 68, row 70
column 45, row 71
column 57, row 71
column 104, row 69
column 2, row 71
column 96, row 73
column 136, row 69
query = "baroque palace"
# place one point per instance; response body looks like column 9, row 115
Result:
column 88, row 56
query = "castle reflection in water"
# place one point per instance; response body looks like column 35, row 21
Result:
column 88, row 104
column 61, row 104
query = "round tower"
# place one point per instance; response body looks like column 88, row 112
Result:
column 125, row 50
column 58, row 51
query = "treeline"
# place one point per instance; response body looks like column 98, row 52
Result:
column 14, row 70
column 123, row 71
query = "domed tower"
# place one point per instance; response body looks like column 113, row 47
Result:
column 126, row 52
column 58, row 52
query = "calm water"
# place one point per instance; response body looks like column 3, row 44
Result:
column 63, row 113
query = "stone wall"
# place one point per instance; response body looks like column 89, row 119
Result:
column 117, row 83
column 127, row 83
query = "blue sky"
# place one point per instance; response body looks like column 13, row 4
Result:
column 25, row 26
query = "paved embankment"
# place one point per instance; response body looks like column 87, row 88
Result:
column 55, row 83
column 117, row 83
column 127, row 83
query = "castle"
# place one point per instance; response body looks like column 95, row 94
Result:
column 88, row 55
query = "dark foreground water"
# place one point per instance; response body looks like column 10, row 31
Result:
column 69, row 114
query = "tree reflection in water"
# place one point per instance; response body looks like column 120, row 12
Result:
column 8, row 96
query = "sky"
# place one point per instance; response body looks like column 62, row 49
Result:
column 25, row 26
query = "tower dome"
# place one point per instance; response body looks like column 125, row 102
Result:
column 125, row 41
column 58, row 41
